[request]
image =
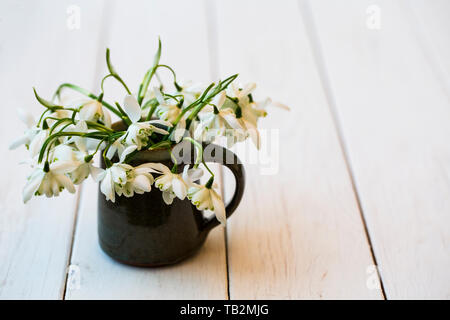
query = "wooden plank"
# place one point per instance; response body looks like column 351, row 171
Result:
column 298, row 232
column 133, row 31
column 394, row 115
column 37, row 49
column 430, row 22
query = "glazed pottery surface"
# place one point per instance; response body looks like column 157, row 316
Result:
column 143, row 231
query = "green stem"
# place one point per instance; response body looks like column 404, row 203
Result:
column 113, row 72
column 177, row 86
column 124, row 117
column 152, row 109
column 207, row 168
column 199, row 147
column 94, row 135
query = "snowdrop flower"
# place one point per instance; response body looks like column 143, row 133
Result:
column 166, row 110
column 191, row 92
column 125, row 180
column 191, row 175
column 206, row 198
column 138, row 132
column 60, row 114
column 139, row 181
column 94, row 111
column 82, row 162
column 49, row 181
column 215, row 123
column 30, row 133
column 117, row 146
column 113, row 179
column 171, row 184
column 37, row 141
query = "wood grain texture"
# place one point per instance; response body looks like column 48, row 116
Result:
column 35, row 238
column 394, row 114
column 298, row 232
column 134, row 27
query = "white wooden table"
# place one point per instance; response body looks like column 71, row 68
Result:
column 364, row 163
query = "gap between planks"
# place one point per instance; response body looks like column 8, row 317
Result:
column 313, row 37
column 210, row 10
column 97, row 75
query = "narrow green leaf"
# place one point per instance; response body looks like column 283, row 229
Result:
column 44, row 102
column 149, row 74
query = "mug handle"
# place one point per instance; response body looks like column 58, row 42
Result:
column 231, row 161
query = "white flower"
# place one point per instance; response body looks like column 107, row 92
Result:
column 166, row 111
column 214, row 124
column 205, row 198
column 37, row 142
column 94, row 111
column 241, row 93
column 191, row 175
column 171, row 184
column 82, row 168
column 191, row 92
column 139, row 181
column 30, row 134
column 123, row 179
column 113, row 179
column 60, row 114
column 138, row 132
column 50, row 183
column 117, row 146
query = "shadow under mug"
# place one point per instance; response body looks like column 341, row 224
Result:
column 144, row 231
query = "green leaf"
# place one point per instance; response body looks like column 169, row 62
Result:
column 44, row 102
column 161, row 144
column 149, row 74
column 108, row 63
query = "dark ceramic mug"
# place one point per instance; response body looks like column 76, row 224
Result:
column 144, row 231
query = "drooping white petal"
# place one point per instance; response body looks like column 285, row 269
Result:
column 219, row 207
column 219, row 99
column 96, row 173
column 106, row 118
column 191, row 175
column 107, row 186
column 37, row 142
column 65, row 182
column 248, row 88
column 89, row 110
column 132, row 108
column 168, row 197
column 18, row 142
column 162, row 122
column 33, row 184
column 179, row 131
column 159, row 167
column 65, row 166
column 254, row 134
column 142, row 183
column 179, row 188
column 127, row 151
column 230, row 118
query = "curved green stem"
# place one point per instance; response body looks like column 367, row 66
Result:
column 113, row 72
column 199, row 147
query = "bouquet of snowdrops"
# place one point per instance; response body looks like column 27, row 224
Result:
column 67, row 136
